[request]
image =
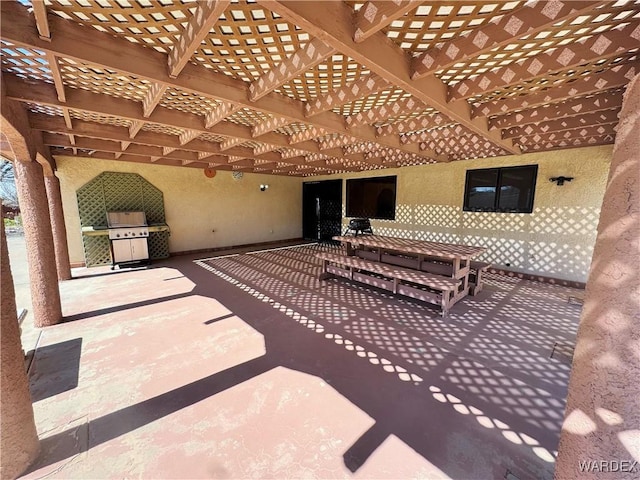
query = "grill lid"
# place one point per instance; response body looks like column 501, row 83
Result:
column 126, row 219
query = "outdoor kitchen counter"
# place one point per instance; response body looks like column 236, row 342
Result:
column 104, row 230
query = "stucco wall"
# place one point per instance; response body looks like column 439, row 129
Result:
column 555, row 240
column 195, row 205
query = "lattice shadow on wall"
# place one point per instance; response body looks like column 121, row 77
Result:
column 115, row 191
column 556, row 241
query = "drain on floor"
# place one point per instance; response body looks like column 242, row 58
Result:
column 563, row 351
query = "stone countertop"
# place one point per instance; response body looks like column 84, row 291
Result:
column 97, row 230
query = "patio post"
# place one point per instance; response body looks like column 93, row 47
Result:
column 601, row 430
column 19, row 444
column 38, row 236
column 63, row 266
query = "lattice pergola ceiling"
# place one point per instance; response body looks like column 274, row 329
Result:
column 310, row 88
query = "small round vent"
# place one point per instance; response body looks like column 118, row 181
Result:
column 237, row 175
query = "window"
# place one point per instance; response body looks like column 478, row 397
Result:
column 508, row 189
column 372, row 197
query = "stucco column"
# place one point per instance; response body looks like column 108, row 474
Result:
column 58, row 229
column 43, row 277
column 601, row 430
column 19, row 444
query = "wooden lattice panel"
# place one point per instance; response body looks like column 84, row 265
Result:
column 416, row 124
column 434, row 22
column 178, row 99
column 405, row 116
column 210, row 137
column 554, row 79
column 597, row 81
column 600, row 20
column 155, row 23
column 157, row 128
column 405, row 107
column 45, row 109
column 569, row 143
column 333, row 74
column 290, row 152
column 101, row 80
column 248, row 117
column 607, row 99
column 459, row 143
column 380, row 99
column 247, row 41
column 586, row 132
column 361, row 148
column 28, row 63
column 103, row 119
column 292, row 128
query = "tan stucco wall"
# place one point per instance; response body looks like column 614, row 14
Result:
column 555, row 240
column 195, row 205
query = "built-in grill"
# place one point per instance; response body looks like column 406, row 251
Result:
column 128, row 234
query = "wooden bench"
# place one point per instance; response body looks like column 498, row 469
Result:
column 476, row 282
column 404, row 281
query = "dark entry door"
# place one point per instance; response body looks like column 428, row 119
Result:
column 321, row 209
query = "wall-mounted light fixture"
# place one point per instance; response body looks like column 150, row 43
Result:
column 560, row 180
column 263, row 187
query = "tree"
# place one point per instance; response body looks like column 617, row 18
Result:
column 8, row 192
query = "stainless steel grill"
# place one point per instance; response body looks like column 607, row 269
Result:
column 128, row 234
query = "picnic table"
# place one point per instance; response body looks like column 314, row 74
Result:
column 446, row 259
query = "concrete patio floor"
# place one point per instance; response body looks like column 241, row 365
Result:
column 245, row 366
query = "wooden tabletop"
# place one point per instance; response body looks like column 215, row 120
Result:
column 419, row 247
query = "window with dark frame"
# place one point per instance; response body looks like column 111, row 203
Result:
column 506, row 189
column 372, row 197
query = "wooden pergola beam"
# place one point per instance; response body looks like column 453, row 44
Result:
column 618, row 76
column 383, row 58
column 530, row 19
column 83, row 128
column 117, row 107
column 600, row 46
column 415, row 124
column 67, row 118
column 136, row 126
column 222, row 165
column 54, row 67
column 42, row 23
column 604, row 100
column 171, row 153
column 152, row 98
column 303, row 59
column 198, row 27
column 102, row 49
column 59, row 140
column 375, row 15
column 569, row 123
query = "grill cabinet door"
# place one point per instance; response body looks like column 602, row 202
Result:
column 122, row 251
column 139, row 249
